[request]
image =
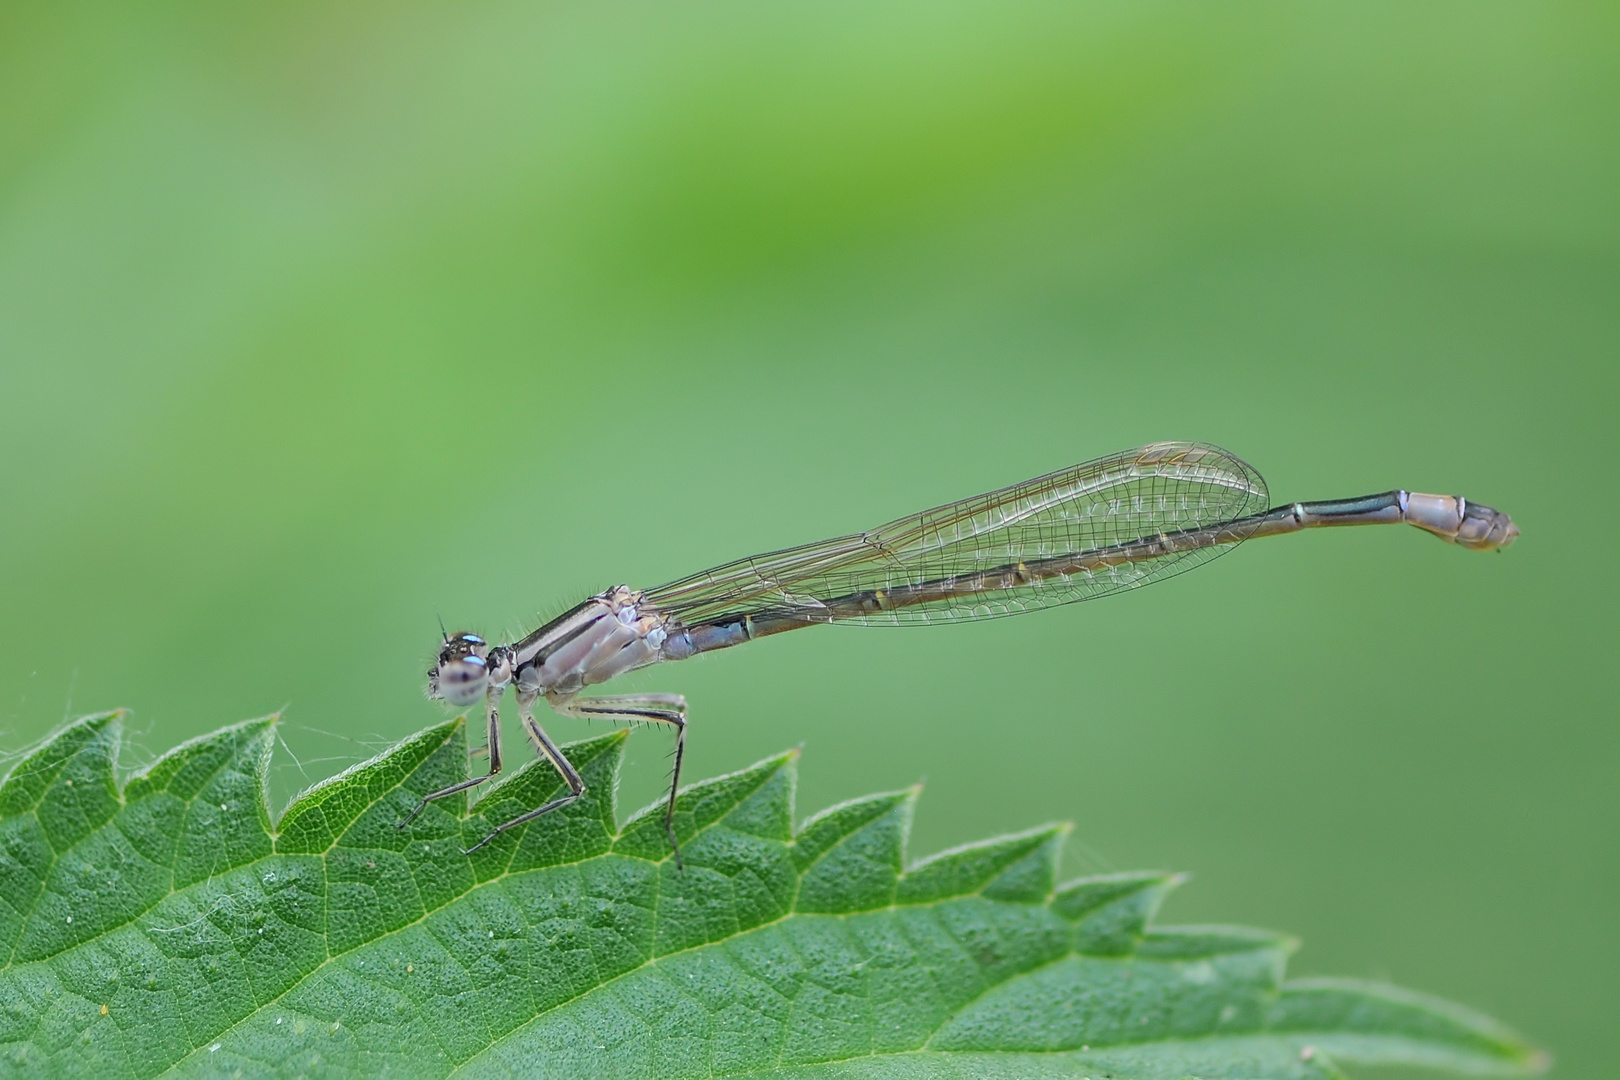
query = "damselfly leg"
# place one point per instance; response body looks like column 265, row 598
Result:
column 655, row 708
column 494, row 764
column 548, row 750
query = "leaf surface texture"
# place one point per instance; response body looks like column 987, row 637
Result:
column 166, row 926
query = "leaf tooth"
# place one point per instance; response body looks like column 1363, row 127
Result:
column 537, row 781
column 768, row 812
column 757, row 800
column 822, row 830
column 573, row 832
column 1019, row 866
column 222, row 780
column 40, row 766
column 317, row 816
column 182, row 770
column 1030, row 879
column 82, row 795
column 1112, row 910
column 851, row 855
column 57, row 794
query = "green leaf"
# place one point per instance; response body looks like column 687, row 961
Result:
column 169, row 928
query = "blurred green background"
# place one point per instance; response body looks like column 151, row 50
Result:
column 320, row 321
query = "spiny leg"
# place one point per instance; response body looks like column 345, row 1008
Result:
column 658, row 708
column 494, row 700
column 548, row 750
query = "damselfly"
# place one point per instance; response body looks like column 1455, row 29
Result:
column 1116, row 523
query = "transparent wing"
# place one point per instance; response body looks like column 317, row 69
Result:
column 1084, row 532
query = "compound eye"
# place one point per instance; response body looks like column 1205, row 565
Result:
column 462, row 682
column 465, row 670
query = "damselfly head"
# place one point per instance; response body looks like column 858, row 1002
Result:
column 462, row 674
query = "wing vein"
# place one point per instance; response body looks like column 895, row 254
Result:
column 1115, row 523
